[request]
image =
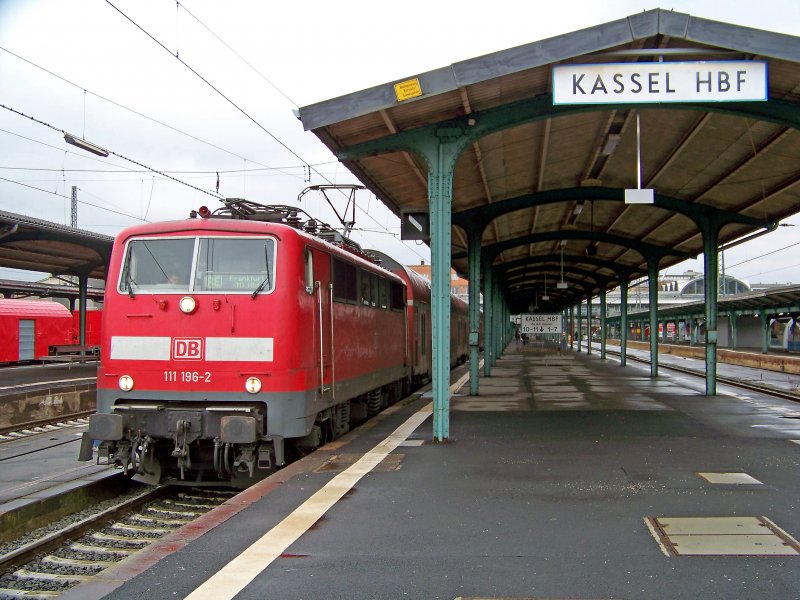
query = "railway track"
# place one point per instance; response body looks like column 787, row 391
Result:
column 10, row 434
column 79, row 547
column 738, row 383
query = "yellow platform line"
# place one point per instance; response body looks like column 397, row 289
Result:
column 238, row 573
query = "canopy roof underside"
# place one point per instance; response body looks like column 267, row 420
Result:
column 548, row 180
column 36, row 245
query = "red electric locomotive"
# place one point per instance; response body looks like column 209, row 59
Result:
column 233, row 339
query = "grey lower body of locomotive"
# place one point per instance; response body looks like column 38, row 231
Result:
column 244, row 435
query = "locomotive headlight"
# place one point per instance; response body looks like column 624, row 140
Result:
column 188, row 305
column 126, row 383
column 252, row 385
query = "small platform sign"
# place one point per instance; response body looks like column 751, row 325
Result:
column 405, row 90
column 415, row 226
column 540, row 323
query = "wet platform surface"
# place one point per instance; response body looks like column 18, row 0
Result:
column 567, row 477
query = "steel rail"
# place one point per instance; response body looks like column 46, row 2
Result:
column 726, row 380
column 26, row 553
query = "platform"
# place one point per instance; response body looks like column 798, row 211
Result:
column 40, row 478
column 568, row 477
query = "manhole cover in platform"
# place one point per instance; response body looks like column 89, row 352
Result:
column 730, row 478
column 721, row 536
column 340, row 462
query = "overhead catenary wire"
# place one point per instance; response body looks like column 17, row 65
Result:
column 135, row 162
column 135, row 112
column 231, row 102
column 209, row 84
column 765, row 254
column 224, row 43
column 111, row 210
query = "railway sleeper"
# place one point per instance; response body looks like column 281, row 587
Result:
column 141, row 530
column 80, row 563
column 158, row 521
column 102, row 549
column 189, row 505
column 184, row 513
column 135, row 544
column 51, row 577
column 28, row 594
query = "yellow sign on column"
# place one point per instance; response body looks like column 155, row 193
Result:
column 405, row 90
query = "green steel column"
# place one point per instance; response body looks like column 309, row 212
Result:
column 500, row 324
column 488, row 344
column 603, row 324
column 692, row 332
column 711, row 295
column 589, row 324
column 732, row 318
column 764, row 330
column 580, row 327
column 505, row 324
column 440, row 191
column 652, row 280
column 83, row 285
column 474, row 308
column 623, row 322
column 571, row 326
column 497, row 313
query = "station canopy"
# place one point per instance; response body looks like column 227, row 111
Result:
column 37, row 245
column 545, row 181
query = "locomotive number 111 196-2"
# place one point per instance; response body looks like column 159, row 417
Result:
column 187, row 377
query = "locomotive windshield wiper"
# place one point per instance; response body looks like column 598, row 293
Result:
column 266, row 281
column 129, row 282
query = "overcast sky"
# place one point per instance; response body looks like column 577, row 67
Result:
column 83, row 67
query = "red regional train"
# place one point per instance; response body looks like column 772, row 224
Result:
column 31, row 329
column 236, row 339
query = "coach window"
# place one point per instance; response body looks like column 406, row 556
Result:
column 376, row 290
column 398, row 296
column 309, row 271
column 384, row 297
column 424, row 335
column 366, row 288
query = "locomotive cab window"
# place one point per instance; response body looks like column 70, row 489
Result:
column 178, row 265
column 157, row 265
column 235, row 265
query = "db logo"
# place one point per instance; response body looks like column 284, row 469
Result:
column 187, row 348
